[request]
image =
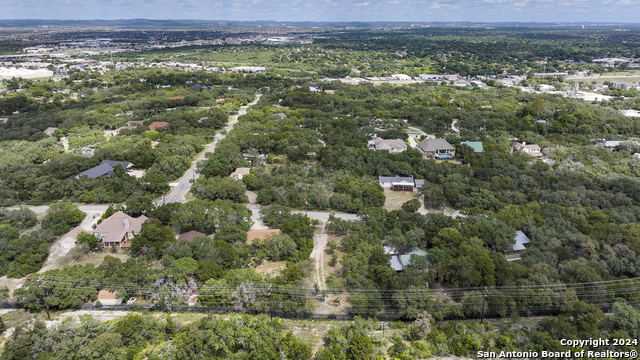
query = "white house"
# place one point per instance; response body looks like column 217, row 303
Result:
column 403, row 77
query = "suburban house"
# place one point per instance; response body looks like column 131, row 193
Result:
column 624, row 85
column 399, row 261
column 105, row 297
column 69, row 240
column 391, row 145
column 476, row 145
column 419, row 183
column 522, row 242
column 402, row 77
column 281, row 115
column 260, row 234
column 533, row 150
column 157, row 125
column 117, row 131
column 396, row 183
column 240, row 172
column 612, row 144
column 50, row 131
column 106, row 168
column 437, row 148
column 118, row 229
column 188, row 236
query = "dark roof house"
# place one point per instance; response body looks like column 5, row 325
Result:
column 106, row 168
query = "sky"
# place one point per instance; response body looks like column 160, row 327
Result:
column 329, row 10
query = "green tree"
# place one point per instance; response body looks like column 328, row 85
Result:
column 360, row 348
column 411, row 206
column 92, row 241
column 153, row 235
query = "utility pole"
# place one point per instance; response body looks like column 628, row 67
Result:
column 484, row 299
column 44, row 297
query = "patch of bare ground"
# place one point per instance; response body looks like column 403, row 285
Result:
column 317, row 255
column 447, row 210
column 271, row 268
column 395, row 199
column 80, row 256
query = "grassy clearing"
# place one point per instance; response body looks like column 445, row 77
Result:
column 395, row 199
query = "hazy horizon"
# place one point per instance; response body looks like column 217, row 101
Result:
column 490, row 11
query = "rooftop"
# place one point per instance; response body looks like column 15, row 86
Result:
column 476, row 145
column 431, row 145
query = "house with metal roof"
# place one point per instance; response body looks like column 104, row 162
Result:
column 521, row 241
column 475, row 145
column 399, row 261
column 106, row 168
column 437, row 148
column 397, row 183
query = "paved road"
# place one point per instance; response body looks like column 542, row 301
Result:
column 41, row 209
column 184, row 184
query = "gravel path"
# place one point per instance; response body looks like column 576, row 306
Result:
column 319, row 245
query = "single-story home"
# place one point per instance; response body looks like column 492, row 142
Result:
column 50, row 131
column 157, row 125
column 260, row 234
column 188, row 236
column 612, row 144
column 437, row 148
column 240, row 172
column 419, row 183
column 399, row 261
column 476, row 145
column 391, row 145
column 109, row 298
column 521, row 241
column 118, row 229
column 533, row 150
column 106, row 168
column 281, row 115
column 397, row 183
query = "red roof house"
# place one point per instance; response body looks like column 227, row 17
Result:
column 157, row 124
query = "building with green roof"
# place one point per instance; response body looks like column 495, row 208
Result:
column 476, row 145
